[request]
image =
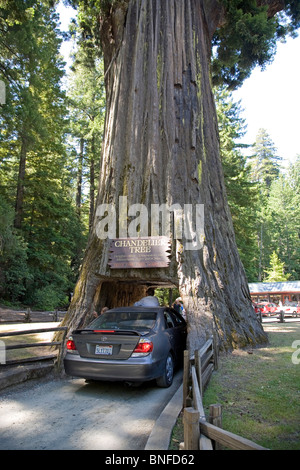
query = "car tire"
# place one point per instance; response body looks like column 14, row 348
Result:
column 166, row 379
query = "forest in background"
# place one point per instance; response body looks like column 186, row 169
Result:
column 51, row 128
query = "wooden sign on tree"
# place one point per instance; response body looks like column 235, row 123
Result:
column 140, row 252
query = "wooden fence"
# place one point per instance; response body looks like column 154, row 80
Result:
column 42, row 316
column 32, row 345
column 200, row 433
column 30, row 316
column 280, row 317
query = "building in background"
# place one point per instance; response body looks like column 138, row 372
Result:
column 277, row 292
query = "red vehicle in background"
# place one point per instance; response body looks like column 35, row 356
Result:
column 256, row 309
column 267, row 309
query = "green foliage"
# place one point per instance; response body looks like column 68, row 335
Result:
column 278, row 217
column 86, row 99
column 14, row 272
column 276, row 271
column 42, row 253
column 248, row 38
column 43, row 173
column 290, row 18
column 284, row 218
column 259, row 392
column 54, row 235
column 265, row 163
column 166, row 297
column 241, row 192
column 278, row 212
column 49, row 298
column 264, row 200
column 88, row 12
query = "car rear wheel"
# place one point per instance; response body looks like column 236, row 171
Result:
column 166, row 379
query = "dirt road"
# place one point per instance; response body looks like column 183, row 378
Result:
column 69, row 414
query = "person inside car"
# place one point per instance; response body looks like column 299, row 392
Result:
column 149, row 301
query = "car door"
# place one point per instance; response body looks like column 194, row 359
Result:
column 176, row 330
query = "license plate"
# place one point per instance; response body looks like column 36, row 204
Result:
column 104, row 350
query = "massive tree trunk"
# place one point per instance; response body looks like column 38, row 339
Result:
column 161, row 147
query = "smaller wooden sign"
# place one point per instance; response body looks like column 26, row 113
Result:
column 140, row 252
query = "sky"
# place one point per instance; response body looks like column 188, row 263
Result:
column 65, row 14
column 270, row 99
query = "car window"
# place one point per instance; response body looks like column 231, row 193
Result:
column 124, row 321
column 172, row 319
column 169, row 323
column 177, row 320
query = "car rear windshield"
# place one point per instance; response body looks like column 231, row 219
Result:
column 138, row 321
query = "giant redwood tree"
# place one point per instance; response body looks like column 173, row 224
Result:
column 161, row 147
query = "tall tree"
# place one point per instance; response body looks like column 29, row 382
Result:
column 161, row 146
column 276, row 271
column 265, row 161
column 14, row 272
column 86, row 97
column 33, row 159
column 31, row 49
column 283, row 221
column 241, row 192
column 264, row 168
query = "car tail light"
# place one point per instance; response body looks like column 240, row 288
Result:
column 71, row 345
column 144, row 347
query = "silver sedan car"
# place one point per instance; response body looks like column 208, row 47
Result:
column 130, row 344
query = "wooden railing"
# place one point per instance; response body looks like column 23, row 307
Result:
column 31, row 316
column 278, row 318
column 32, row 345
column 200, row 433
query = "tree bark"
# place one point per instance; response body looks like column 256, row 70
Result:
column 161, row 147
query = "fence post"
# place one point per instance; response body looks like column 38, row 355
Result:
column 281, row 316
column 27, row 317
column 199, row 370
column 186, row 375
column 191, row 429
column 215, row 350
column 215, row 418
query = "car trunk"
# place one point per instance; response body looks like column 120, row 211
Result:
column 105, row 344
